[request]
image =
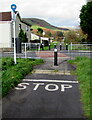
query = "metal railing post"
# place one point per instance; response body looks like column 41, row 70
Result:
column 25, row 51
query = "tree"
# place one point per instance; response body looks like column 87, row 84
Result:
column 59, row 35
column 81, row 37
column 75, row 36
column 23, row 36
column 86, row 19
column 40, row 31
column 48, row 34
column 70, row 37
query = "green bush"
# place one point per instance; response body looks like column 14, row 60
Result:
column 6, row 63
column 13, row 74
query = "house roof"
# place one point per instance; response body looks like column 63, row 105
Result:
column 5, row 16
column 22, row 19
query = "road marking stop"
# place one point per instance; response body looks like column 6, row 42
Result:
column 48, row 87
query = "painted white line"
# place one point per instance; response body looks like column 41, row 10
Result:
column 43, row 80
column 53, row 72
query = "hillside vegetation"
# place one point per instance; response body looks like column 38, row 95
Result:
column 42, row 24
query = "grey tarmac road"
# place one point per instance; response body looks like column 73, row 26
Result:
column 43, row 103
column 78, row 53
column 51, row 96
column 32, row 54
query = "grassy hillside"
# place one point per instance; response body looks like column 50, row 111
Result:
column 42, row 24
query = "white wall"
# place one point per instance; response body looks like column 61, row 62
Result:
column 44, row 38
column 5, row 34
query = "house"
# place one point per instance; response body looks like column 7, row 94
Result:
column 20, row 24
column 34, row 37
column 6, row 28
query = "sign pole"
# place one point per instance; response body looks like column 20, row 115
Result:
column 13, row 7
column 14, row 39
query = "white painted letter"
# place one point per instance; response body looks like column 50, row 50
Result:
column 51, row 89
column 65, row 86
column 37, row 85
column 22, row 86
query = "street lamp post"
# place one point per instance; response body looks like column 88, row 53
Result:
column 13, row 7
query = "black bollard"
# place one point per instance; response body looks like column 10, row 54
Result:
column 60, row 47
column 55, row 57
column 66, row 46
column 49, row 46
column 54, row 46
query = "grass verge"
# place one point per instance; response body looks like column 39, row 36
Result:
column 84, row 72
column 12, row 74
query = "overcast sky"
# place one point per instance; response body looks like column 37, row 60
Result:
column 56, row 12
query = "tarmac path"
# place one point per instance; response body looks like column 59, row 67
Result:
column 49, row 92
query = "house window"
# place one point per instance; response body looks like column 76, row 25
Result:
column 26, row 27
column 19, row 26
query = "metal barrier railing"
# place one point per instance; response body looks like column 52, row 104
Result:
column 27, row 48
column 80, row 47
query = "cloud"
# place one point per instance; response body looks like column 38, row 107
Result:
column 57, row 12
